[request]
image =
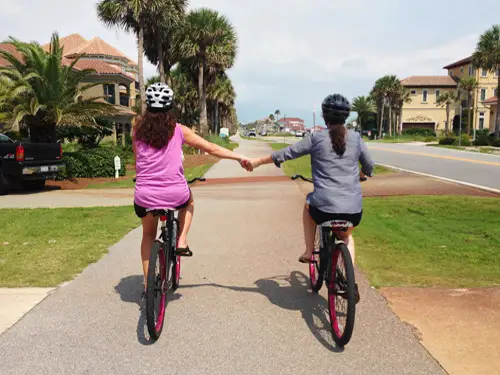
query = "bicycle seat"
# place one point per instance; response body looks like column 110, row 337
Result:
column 338, row 225
column 160, row 212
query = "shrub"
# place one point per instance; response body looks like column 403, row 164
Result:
column 481, row 138
column 92, row 163
column 420, row 131
column 464, row 140
column 495, row 142
column 447, row 140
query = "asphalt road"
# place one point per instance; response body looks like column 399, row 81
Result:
column 467, row 167
column 243, row 307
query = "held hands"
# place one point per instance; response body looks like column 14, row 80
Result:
column 249, row 164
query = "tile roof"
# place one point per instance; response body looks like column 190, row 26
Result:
column 97, row 46
column 492, row 100
column 8, row 48
column 458, row 63
column 283, row 119
column 69, row 43
column 431, row 81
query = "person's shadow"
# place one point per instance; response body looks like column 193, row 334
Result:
column 130, row 289
column 294, row 296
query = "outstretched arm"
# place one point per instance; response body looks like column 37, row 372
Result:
column 365, row 159
column 198, row 142
column 289, row 153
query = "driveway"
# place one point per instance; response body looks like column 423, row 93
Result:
column 243, row 306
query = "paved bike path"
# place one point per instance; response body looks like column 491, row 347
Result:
column 243, row 306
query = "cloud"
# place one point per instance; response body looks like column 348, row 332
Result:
column 292, row 53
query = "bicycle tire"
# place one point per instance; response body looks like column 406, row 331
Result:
column 315, row 271
column 176, row 266
column 156, row 292
column 336, row 281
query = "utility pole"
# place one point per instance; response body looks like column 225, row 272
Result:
column 460, row 128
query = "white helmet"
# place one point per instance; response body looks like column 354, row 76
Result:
column 159, row 96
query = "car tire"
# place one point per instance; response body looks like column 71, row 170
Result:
column 4, row 184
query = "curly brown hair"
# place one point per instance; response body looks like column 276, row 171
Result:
column 155, row 128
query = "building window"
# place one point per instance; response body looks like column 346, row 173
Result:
column 497, row 73
column 424, row 96
column 437, row 94
column 413, row 92
column 495, row 92
column 109, row 93
column 483, row 95
column 484, row 73
column 472, row 71
column 481, row 120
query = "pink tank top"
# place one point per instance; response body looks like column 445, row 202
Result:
column 160, row 174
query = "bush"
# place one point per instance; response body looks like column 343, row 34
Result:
column 464, row 140
column 481, row 138
column 97, row 162
column 496, row 142
column 420, row 131
column 447, row 140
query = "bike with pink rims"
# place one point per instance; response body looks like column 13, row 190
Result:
column 332, row 264
column 164, row 270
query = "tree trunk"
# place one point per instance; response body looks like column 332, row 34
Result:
column 115, row 138
column 216, row 118
column 123, row 136
column 203, row 127
column 161, row 62
column 469, row 110
column 390, row 120
column 140, row 63
column 497, row 118
column 447, row 126
column 381, row 122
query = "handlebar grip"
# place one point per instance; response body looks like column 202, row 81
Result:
column 295, row 177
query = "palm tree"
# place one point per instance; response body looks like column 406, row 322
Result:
column 277, row 114
column 208, row 43
column 447, row 99
column 379, row 94
column 131, row 15
column 271, row 117
column 402, row 96
column 487, row 56
column 363, row 106
column 223, row 95
column 468, row 85
column 38, row 91
column 186, row 96
column 161, row 25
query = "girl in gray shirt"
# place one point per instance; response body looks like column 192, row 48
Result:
column 335, row 156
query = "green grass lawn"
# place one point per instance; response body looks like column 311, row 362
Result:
column 45, row 247
column 430, row 241
column 302, row 165
column 405, row 139
column 189, row 173
column 482, row 150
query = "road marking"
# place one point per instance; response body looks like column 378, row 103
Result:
column 480, row 187
column 496, row 164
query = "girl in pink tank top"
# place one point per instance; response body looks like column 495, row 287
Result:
column 160, row 182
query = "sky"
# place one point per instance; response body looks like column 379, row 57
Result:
column 293, row 53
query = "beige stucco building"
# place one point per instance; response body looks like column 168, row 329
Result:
column 115, row 74
column 423, row 110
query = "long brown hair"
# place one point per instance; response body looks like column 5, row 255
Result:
column 337, row 133
column 156, row 128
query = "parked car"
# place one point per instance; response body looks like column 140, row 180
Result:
column 252, row 133
column 263, row 133
column 299, row 133
column 28, row 164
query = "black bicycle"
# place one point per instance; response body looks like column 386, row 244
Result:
column 164, row 269
column 332, row 264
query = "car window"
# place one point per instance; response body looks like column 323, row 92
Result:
column 4, row 139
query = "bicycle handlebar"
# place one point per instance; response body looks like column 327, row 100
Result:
column 297, row 176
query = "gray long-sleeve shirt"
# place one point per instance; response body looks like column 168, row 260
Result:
column 336, row 178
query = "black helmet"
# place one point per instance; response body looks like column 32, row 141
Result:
column 336, row 106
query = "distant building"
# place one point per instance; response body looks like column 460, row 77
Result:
column 317, row 128
column 291, row 124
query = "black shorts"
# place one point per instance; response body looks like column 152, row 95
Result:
column 321, row 217
column 142, row 211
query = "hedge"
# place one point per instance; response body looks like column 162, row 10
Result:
column 92, row 163
column 424, row 132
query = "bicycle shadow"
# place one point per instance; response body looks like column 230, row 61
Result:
column 130, row 289
column 294, row 296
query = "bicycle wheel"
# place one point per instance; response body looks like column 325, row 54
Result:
column 315, row 274
column 156, row 291
column 176, row 264
column 341, row 294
